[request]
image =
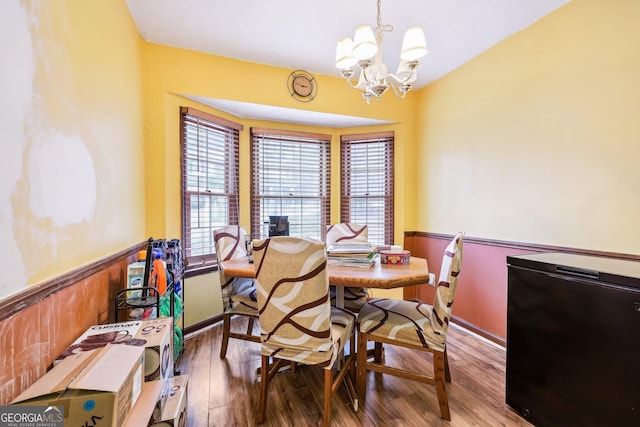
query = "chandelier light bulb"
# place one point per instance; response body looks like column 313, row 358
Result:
column 344, row 53
column 414, row 45
column 364, row 43
column 405, row 72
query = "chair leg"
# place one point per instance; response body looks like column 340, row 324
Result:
column 361, row 365
column 439, row 377
column 447, row 373
column 226, row 330
column 328, row 385
column 378, row 353
column 250, row 326
column 264, row 384
column 352, row 350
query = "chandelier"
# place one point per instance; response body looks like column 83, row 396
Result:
column 373, row 79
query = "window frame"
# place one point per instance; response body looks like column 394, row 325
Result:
column 230, row 175
column 323, row 142
column 347, row 144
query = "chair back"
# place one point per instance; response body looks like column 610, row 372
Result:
column 230, row 244
column 446, row 287
column 346, row 232
column 293, row 297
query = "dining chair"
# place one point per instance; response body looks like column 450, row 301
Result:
column 297, row 322
column 238, row 294
column 354, row 298
column 413, row 325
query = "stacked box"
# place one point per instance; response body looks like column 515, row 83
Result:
column 150, row 405
column 100, row 385
column 158, row 337
column 174, row 413
column 155, row 335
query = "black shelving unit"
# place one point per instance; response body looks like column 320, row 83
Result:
column 149, row 296
column 130, row 298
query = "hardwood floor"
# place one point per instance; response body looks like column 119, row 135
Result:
column 224, row 392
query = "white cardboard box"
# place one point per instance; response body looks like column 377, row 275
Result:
column 158, row 334
column 148, row 409
column 155, row 335
column 174, row 413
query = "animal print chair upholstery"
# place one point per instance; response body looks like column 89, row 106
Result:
column 297, row 322
column 354, row 298
column 414, row 325
column 238, row 294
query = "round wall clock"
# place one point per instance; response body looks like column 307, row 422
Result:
column 302, row 86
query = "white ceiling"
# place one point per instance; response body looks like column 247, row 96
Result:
column 302, row 34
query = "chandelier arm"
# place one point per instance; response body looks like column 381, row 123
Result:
column 364, row 75
column 351, row 84
column 403, row 81
column 399, row 94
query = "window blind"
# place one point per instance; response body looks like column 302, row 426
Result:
column 367, row 183
column 290, row 177
column 210, row 181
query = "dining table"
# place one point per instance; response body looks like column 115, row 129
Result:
column 377, row 276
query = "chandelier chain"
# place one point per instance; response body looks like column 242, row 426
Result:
column 382, row 27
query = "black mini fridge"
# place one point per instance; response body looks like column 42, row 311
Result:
column 573, row 340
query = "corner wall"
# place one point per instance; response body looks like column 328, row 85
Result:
column 171, row 74
column 536, row 140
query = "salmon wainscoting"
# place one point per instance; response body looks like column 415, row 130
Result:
column 481, row 296
column 37, row 324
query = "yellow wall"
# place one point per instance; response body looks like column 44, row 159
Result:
column 170, row 73
column 537, row 139
column 71, row 114
column 203, row 298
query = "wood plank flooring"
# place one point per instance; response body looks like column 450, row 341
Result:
column 224, row 392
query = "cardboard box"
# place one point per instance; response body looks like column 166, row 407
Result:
column 98, row 336
column 156, row 335
column 101, row 385
column 135, row 277
column 148, row 408
column 174, row 413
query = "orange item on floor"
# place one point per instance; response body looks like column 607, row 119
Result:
column 159, row 276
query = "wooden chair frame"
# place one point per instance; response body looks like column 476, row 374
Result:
column 227, row 316
column 331, row 382
column 298, row 324
column 398, row 323
column 440, row 369
column 228, row 333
